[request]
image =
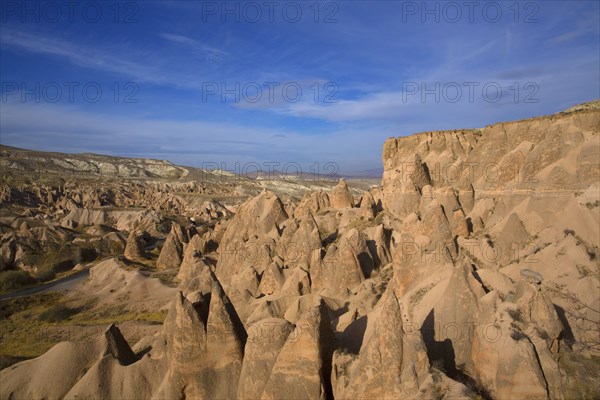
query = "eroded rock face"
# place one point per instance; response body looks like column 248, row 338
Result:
column 196, row 276
column 447, row 282
column 379, row 247
column 116, row 346
column 226, row 338
column 367, row 205
column 257, row 217
column 345, row 265
column 303, row 365
column 305, row 240
column 171, row 254
column 515, row 155
column 505, row 361
column 459, row 307
column 392, row 364
column 133, row 248
column 272, row 279
column 426, row 246
column 312, row 203
column 340, row 196
column 265, row 340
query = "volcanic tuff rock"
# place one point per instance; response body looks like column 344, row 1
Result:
column 340, row 196
column 557, row 152
column 266, row 338
column 313, row 203
column 302, row 367
column 171, row 253
column 133, row 248
column 393, row 363
column 472, row 272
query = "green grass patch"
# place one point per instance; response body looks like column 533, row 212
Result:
column 30, row 326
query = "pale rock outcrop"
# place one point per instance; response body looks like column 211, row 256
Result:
column 303, row 366
column 104, row 368
column 393, row 363
column 265, row 340
column 474, row 334
column 379, row 247
column 197, row 276
column 133, row 247
column 455, row 215
column 246, row 280
column 537, row 308
column 259, row 217
column 456, row 311
column 312, row 203
column 510, row 238
column 285, row 243
column 204, row 348
column 340, row 196
column 51, row 375
column 8, row 251
column 272, row 280
column 297, row 284
column 404, row 178
column 191, row 255
column 345, row 265
column 226, row 339
column 24, row 230
column 114, row 242
column 114, row 344
column 367, row 205
column 504, row 360
column 118, row 372
column 171, row 254
column 304, row 249
column 426, row 245
column 183, row 345
column 542, row 325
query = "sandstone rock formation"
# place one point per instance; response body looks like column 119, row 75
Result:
column 313, row 203
column 133, row 248
column 171, row 254
column 340, row 196
column 472, row 272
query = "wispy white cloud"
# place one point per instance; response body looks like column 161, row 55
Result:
column 122, row 60
column 194, row 45
column 108, row 60
column 369, row 55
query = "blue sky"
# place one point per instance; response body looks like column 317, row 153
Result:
column 160, row 79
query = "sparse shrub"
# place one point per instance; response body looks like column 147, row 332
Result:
column 475, row 388
column 517, row 335
column 583, row 270
column 591, row 254
column 12, row 280
column 543, row 334
column 568, row 232
column 45, row 275
column 57, row 313
column 591, row 205
column 515, row 314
